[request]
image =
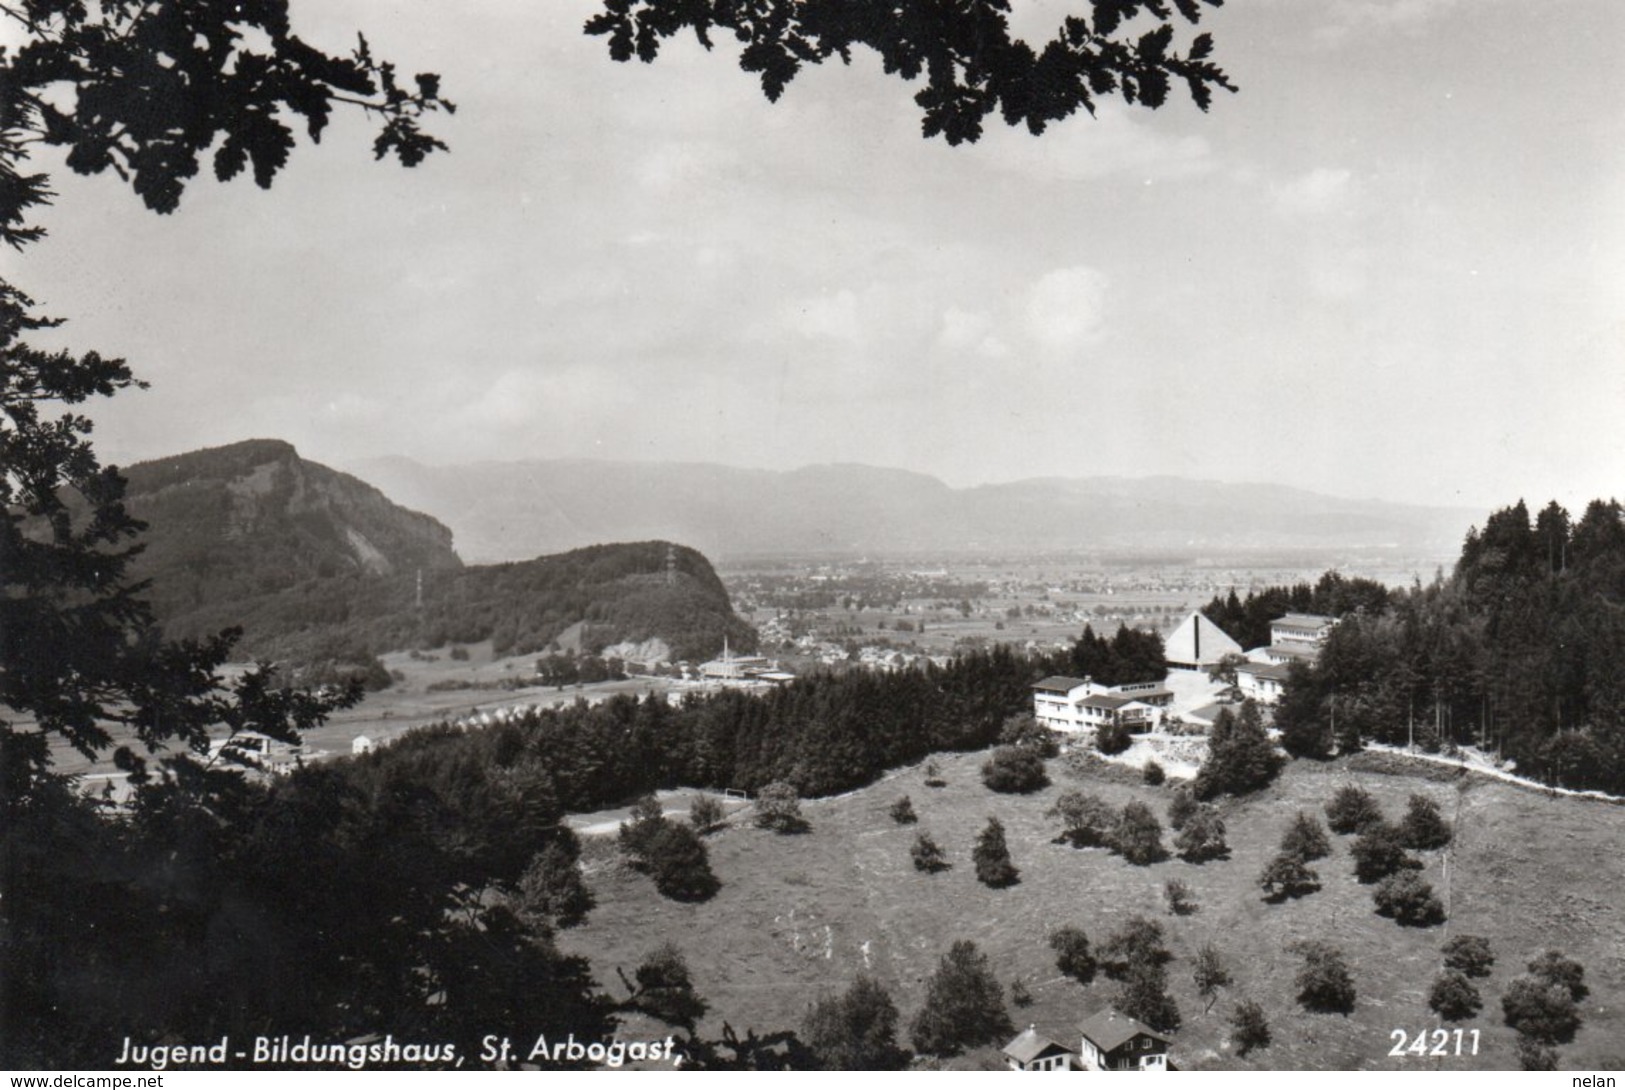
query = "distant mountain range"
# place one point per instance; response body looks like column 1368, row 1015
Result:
column 507, row 510
column 318, row 565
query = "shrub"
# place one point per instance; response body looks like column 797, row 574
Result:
column 928, row 855
column 1025, row 731
column 964, row 1005
column 1287, row 876
column 1014, row 770
column 1305, row 839
column 1113, row 738
column 706, row 813
column 1469, row 955
column 1178, row 896
column 1019, row 995
column 1324, row 983
column 1453, row 997
column 1138, row 836
column 665, row 988
column 1563, row 972
column 1378, row 853
column 933, row 775
column 992, row 857
column 1181, row 807
column 1072, row 954
column 1209, row 974
column 1202, row 838
column 1540, row 1010
column 1144, row 996
column 1352, row 810
column 1423, row 827
column 679, row 864
column 1408, row 899
column 551, row 890
column 902, row 811
column 778, row 807
column 640, row 828
column 1139, row 943
column 1154, row 774
column 1534, row 1056
column 1089, row 820
column 856, row 1031
column 1252, row 1029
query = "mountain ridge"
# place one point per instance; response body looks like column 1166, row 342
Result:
column 500, row 508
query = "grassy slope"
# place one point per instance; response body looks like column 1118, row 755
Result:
column 795, row 913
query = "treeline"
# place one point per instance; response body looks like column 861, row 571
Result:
column 1247, row 621
column 1129, row 656
column 620, row 592
column 406, row 894
column 823, row 733
column 1521, row 651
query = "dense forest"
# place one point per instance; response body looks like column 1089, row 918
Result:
column 616, row 592
column 1521, row 651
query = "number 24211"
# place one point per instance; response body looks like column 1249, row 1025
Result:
column 1438, row 1042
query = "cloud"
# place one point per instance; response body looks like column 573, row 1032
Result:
column 1407, row 16
column 1066, row 309
column 1321, row 192
column 1085, row 148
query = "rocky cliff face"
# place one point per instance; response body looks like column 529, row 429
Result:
column 255, row 518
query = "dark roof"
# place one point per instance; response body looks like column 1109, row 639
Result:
column 1030, row 1045
column 1303, row 620
column 1059, row 684
column 1276, row 670
column 1109, row 1030
column 1109, row 703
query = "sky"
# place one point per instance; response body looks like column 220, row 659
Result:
column 1391, row 266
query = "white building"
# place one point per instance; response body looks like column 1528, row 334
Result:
column 1303, row 630
column 1081, row 705
column 1033, row 1051
column 1261, row 681
column 1197, row 644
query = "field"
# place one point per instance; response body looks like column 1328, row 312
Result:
column 799, row 916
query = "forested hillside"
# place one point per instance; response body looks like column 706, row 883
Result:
column 1521, row 651
column 317, row 566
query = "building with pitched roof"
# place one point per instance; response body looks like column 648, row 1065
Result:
column 1261, row 681
column 1034, row 1051
column 1197, row 644
column 1115, row 1042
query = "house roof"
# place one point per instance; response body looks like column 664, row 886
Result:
column 1207, row 713
column 1109, row 703
column 1287, row 651
column 1109, row 1030
column 1276, row 670
column 1030, row 1045
column 1060, row 684
column 1198, row 640
column 1303, row 620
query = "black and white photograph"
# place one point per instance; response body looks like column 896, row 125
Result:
column 776, row 535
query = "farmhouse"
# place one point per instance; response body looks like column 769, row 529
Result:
column 1077, row 705
column 1116, row 1042
column 1197, row 644
column 1033, row 1051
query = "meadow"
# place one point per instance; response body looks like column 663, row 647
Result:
column 800, row 916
